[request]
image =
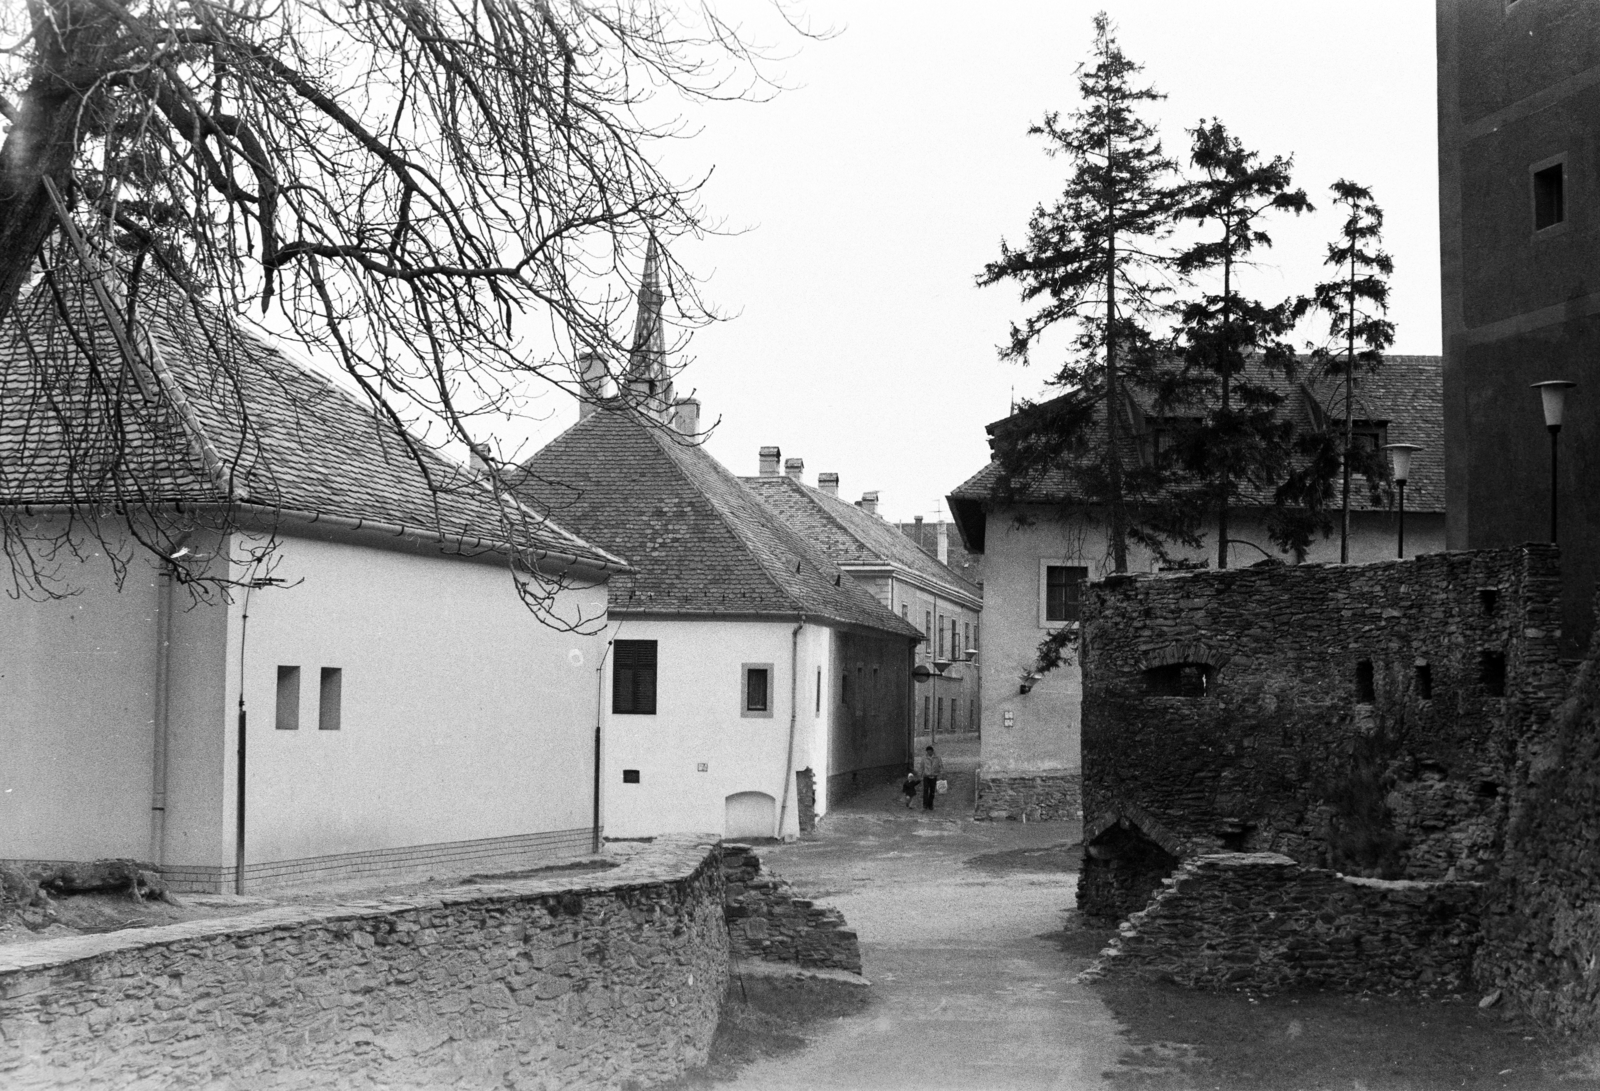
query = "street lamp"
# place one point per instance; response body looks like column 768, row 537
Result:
column 1553, row 392
column 1400, row 458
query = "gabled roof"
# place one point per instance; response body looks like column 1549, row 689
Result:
column 701, row 543
column 1407, row 394
column 213, row 415
column 852, row 537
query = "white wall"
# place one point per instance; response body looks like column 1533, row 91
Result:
column 463, row 717
column 699, row 721
column 1043, row 732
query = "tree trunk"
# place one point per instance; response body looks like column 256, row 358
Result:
column 1227, row 381
column 1119, row 513
column 71, row 38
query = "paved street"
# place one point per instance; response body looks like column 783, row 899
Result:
column 954, row 918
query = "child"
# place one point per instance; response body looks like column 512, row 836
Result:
column 909, row 788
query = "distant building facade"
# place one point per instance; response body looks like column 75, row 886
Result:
column 1035, row 555
column 1519, row 208
column 946, row 607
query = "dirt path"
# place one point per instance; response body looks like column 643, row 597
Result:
column 960, row 925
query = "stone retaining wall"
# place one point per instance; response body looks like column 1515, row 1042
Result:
column 1030, row 797
column 571, row 981
column 1362, row 718
column 766, row 921
column 1262, row 921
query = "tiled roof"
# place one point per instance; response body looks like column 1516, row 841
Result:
column 849, row 535
column 701, row 543
column 213, row 414
column 1407, row 392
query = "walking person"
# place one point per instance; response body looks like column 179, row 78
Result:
column 931, row 766
column 909, row 787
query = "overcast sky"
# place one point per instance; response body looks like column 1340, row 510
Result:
column 875, row 188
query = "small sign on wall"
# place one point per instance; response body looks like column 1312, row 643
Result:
column 1009, row 718
column 701, row 767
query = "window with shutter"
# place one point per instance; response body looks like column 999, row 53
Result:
column 633, row 677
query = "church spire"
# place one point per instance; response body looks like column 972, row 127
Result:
column 647, row 359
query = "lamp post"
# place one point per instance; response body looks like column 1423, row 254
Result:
column 1400, row 458
column 1553, row 393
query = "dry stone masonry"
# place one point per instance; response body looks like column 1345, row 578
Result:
column 599, row 980
column 1542, row 922
column 1261, row 921
column 766, row 921
column 1363, row 718
column 1030, row 797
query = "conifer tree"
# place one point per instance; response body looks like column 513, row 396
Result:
column 1240, row 440
column 1093, row 258
column 1356, row 303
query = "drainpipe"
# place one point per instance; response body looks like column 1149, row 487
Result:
column 158, row 764
column 794, row 708
column 599, row 704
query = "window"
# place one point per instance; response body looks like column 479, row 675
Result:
column 1549, row 196
column 1424, row 682
column 941, row 636
column 1167, row 432
column 966, row 637
column 927, row 711
column 1366, row 689
column 938, row 711
column 288, row 699
column 1178, row 680
column 757, row 689
column 1366, row 435
column 1063, row 591
column 1492, row 672
column 905, row 611
column 972, row 715
column 975, row 625
column 633, row 677
column 819, row 691
column 955, row 645
column 927, row 625
column 630, row 776
column 328, row 698
column 1489, row 599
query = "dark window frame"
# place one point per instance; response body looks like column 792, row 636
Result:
column 633, row 677
column 1547, row 193
column 1063, row 595
column 747, row 694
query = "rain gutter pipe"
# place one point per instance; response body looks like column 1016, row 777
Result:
column 794, row 712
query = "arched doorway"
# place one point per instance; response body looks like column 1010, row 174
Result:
column 749, row 814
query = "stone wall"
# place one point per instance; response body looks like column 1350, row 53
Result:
column 766, row 921
column 1030, row 797
column 1542, row 923
column 567, row 982
column 1262, row 921
column 1358, row 717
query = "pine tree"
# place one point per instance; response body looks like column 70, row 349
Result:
column 1093, row 258
column 1356, row 304
column 1242, row 441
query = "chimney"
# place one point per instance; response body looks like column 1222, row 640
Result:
column 794, row 468
column 944, row 542
column 592, row 379
column 686, row 417
column 869, row 502
column 475, row 458
column 917, row 523
column 828, row 483
column 769, row 461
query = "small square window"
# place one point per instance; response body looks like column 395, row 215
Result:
column 1549, row 196
column 329, row 696
column 756, row 689
column 630, row 776
column 288, row 718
